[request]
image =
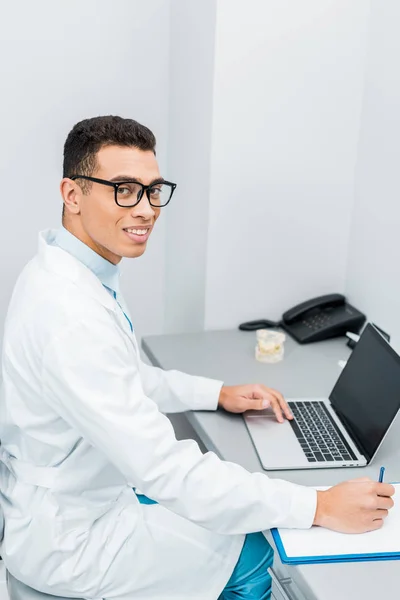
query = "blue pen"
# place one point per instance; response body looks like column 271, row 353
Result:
column 381, row 474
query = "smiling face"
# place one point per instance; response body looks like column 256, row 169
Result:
column 92, row 215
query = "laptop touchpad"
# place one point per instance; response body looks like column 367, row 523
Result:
column 275, row 442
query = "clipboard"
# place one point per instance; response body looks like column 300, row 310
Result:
column 320, row 546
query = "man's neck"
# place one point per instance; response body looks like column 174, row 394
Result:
column 76, row 229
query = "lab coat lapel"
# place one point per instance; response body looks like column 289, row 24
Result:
column 65, row 265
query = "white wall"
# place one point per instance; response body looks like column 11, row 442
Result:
column 373, row 280
column 288, row 88
column 61, row 62
column 258, row 104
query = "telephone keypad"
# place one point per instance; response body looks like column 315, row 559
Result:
column 317, row 321
column 314, row 321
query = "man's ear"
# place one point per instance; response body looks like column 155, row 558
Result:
column 71, row 193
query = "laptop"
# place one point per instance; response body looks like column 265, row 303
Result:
column 345, row 430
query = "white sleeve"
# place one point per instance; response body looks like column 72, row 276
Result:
column 174, row 391
column 91, row 378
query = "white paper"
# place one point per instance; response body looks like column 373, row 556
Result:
column 318, row 541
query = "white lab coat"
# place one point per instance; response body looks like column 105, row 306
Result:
column 81, row 423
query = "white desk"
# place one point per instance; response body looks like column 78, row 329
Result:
column 306, row 370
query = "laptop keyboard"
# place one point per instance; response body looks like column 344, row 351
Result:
column 318, row 434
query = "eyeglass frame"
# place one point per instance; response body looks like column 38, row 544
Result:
column 117, row 184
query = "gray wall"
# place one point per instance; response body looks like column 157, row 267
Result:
column 264, row 117
column 373, row 280
column 192, row 54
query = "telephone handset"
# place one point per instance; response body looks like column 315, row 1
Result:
column 316, row 319
column 328, row 301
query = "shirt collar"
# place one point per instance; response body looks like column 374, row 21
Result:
column 102, row 268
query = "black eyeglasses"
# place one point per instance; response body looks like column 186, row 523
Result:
column 130, row 193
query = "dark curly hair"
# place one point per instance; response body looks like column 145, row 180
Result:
column 88, row 136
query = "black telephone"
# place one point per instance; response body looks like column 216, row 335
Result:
column 316, row 319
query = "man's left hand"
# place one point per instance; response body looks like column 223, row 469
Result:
column 239, row 398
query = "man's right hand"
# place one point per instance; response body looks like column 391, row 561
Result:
column 354, row 506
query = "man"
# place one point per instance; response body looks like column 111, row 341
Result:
column 82, row 417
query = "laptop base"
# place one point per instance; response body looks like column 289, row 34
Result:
column 278, row 448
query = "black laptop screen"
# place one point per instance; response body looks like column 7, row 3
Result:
column 367, row 393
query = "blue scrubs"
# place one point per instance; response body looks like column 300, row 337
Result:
column 250, row 579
